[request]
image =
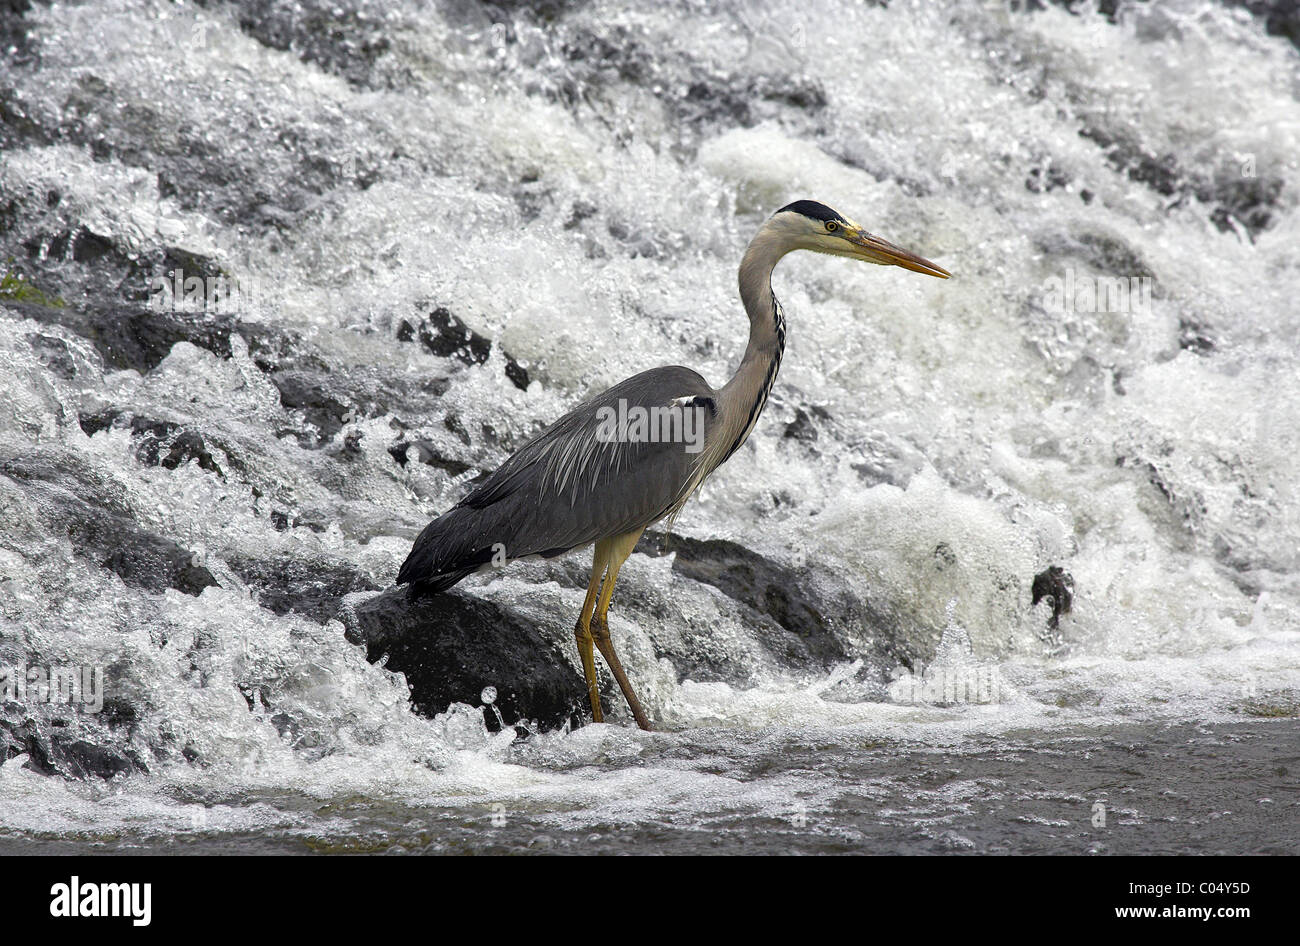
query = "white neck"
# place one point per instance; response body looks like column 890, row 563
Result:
column 742, row 399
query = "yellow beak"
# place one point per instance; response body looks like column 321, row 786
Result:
column 882, row 251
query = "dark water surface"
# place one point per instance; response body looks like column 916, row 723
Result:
column 1181, row 789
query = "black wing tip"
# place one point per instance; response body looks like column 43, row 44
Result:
column 431, row 586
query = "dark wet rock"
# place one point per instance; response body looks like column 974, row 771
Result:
column 18, row 128
column 453, row 423
column 451, row 646
column 606, row 54
column 1107, row 8
column 944, row 556
column 1057, row 586
column 1250, row 201
column 311, row 586
column 54, row 355
column 13, row 33
column 329, row 400
column 159, row 442
column 63, row 750
column 1237, row 198
column 80, row 245
column 428, row 453
column 88, row 274
column 134, row 337
column 447, row 336
column 273, row 349
column 191, row 167
column 1105, row 252
column 271, row 185
column 342, row 37
column 315, row 521
column 1281, row 17
column 322, row 401
column 544, row 10
column 1041, row 180
column 102, row 531
column 747, row 101
column 581, row 210
column 69, row 252
column 1184, row 502
column 1194, row 336
column 803, row 427
column 802, row 620
column 139, row 558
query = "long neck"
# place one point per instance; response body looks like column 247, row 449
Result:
column 744, row 396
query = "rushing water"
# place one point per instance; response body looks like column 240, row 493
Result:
column 576, row 182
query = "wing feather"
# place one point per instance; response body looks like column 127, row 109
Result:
column 568, row 486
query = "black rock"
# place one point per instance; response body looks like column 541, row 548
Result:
column 159, row 442
column 134, row 336
column 447, row 336
column 427, row 453
column 1195, row 336
column 451, row 646
column 56, row 750
column 318, row 397
column 1055, row 584
column 803, row 426
column 14, row 40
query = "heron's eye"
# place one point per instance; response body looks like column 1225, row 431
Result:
column 831, row 226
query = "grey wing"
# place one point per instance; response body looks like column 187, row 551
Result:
column 586, row 477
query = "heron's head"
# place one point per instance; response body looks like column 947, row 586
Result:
column 808, row 225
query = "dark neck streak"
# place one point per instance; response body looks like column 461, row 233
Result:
column 745, row 395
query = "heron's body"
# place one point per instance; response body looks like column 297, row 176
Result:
column 585, row 481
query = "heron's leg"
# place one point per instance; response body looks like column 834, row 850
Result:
column 582, row 631
column 620, row 547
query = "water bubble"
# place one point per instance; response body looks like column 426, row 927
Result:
column 488, row 696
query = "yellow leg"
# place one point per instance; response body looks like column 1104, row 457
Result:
column 582, row 632
column 618, row 549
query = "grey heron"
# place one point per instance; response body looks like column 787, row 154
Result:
column 631, row 456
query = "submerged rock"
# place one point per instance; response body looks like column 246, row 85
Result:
column 103, row 531
column 54, row 748
column 313, row 587
column 452, row 646
column 162, row 443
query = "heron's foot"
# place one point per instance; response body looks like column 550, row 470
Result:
column 600, row 634
column 582, row 634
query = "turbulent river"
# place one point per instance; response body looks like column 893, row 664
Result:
column 414, row 232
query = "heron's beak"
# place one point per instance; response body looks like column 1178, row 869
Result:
column 876, row 250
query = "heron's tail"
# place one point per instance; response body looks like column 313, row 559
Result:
column 456, row 544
